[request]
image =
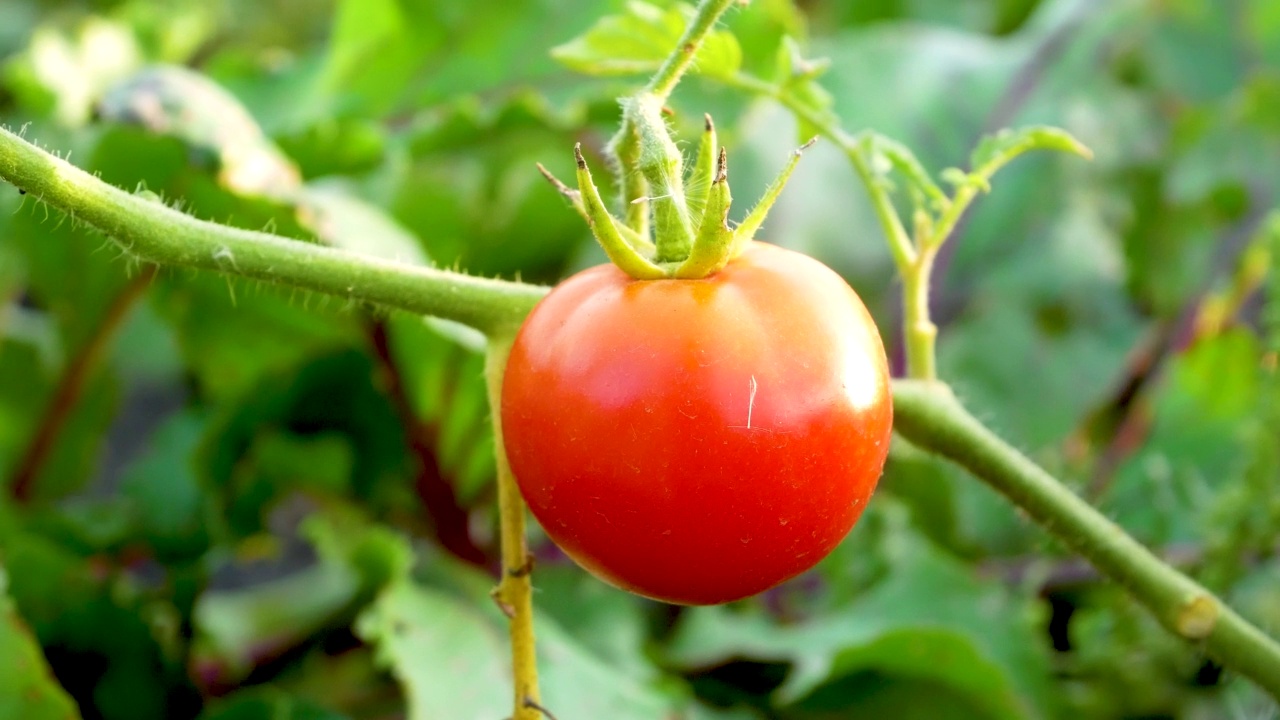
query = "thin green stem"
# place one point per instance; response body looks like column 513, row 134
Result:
column 678, row 62
column 514, row 593
column 914, row 264
column 919, row 333
column 928, row 415
column 904, row 254
column 159, row 234
column 946, row 224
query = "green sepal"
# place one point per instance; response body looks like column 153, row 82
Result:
column 747, row 230
column 605, row 229
column 704, row 171
column 633, row 238
column 713, row 248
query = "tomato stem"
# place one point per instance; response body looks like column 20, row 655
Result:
column 681, row 58
column 155, row 233
column 662, row 165
column 928, row 415
column 514, row 592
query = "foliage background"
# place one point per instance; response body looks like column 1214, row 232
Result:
column 230, row 501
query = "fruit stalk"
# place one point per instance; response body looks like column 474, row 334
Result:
column 514, row 593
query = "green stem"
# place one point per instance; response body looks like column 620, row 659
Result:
column 920, row 335
column 928, row 415
column 678, row 62
column 514, row 593
column 162, row 235
column 914, row 266
column 904, row 254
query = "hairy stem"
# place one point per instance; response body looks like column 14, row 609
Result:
column 678, row 62
column 919, row 333
column 162, row 235
column 67, row 392
column 928, row 415
column 514, row 593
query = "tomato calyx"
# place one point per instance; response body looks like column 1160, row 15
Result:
column 681, row 228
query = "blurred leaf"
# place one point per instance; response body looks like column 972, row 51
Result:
column 336, row 146
column 330, row 407
column 930, row 620
column 1194, row 447
column 233, row 335
column 798, row 78
column 173, row 512
column 65, row 73
column 27, row 688
column 267, row 704
column 423, row 635
column 638, row 40
column 174, row 101
column 444, row 383
column 102, row 640
column 345, row 221
column 474, row 195
column 237, row 629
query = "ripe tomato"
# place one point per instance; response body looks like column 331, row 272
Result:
column 699, row 441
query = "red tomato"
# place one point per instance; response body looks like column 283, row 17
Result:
column 699, row 441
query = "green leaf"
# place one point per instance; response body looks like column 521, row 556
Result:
column 798, row 78
column 997, row 150
column 637, row 41
column 267, row 704
column 444, row 384
column 322, row 428
column 423, row 635
column 64, row 73
column 343, row 220
column 172, row 509
column 181, row 103
column 237, row 629
column 473, row 195
column 28, row 689
column 929, row 621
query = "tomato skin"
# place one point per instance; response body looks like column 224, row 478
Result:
column 699, row 441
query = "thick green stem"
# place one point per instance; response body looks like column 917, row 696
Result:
column 159, row 234
column 928, row 415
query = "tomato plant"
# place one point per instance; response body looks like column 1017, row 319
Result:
column 248, row 476
column 699, row 441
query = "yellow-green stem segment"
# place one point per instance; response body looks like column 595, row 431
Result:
column 514, row 593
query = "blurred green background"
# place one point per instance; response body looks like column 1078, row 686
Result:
column 234, row 501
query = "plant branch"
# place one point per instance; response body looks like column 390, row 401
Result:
column 67, row 392
column 928, row 415
column 904, row 254
column 514, row 593
column 678, row 62
column 159, row 234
